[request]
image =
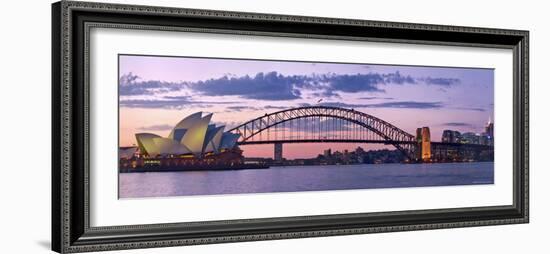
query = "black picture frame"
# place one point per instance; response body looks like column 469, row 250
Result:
column 71, row 231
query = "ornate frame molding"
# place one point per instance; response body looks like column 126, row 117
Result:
column 71, row 22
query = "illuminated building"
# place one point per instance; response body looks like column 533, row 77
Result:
column 489, row 131
column 485, row 138
column 423, row 139
column 470, row 138
column 192, row 136
column 450, row 136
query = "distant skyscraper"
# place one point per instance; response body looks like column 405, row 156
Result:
column 346, row 157
column 278, row 156
column 489, row 131
column 360, row 154
column 446, row 136
column 489, row 127
column 450, row 136
column 484, row 139
column 327, row 153
column 470, row 138
column 419, row 141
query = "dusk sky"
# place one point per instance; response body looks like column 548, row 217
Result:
column 157, row 92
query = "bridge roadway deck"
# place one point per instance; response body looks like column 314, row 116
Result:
column 363, row 141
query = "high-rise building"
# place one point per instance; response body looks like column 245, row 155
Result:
column 278, row 156
column 327, row 153
column 489, row 131
column 346, row 158
column 484, row 139
column 446, row 136
column 450, row 136
column 360, row 154
column 489, row 128
column 470, row 138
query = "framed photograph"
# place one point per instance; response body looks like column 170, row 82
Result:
column 181, row 126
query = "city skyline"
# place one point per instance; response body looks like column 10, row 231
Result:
column 166, row 88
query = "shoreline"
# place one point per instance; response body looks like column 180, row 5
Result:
column 197, row 168
column 264, row 166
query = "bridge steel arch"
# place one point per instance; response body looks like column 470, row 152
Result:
column 390, row 134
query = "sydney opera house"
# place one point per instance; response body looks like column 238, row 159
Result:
column 194, row 135
column 193, row 142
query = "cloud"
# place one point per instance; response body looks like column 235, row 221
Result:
column 127, row 79
column 457, row 124
column 397, row 78
column 374, row 98
column 263, row 86
column 228, row 124
column 408, row 104
column 244, row 108
column 129, row 84
column 399, row 104
column 354, row 83
column 274, row 86
column 168, row 102
column 159, row 127
column 441, row 81
column 181, row 97
column 240, row 108
column 471, row 108
column 275, row 107
column 326, row 94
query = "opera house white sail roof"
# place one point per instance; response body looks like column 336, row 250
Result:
column 192, row 135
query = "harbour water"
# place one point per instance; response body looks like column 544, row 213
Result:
column 303, row 178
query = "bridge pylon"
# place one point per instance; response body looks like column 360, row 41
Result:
column 423, row 148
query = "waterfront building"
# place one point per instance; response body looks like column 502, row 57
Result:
column 327, row 153
column 451, row 136
column 484, row 139
column 278, row 152
column 337, row 155
column 359, row 154
column 127, row 152
column 470, row 138
column 489, row 130
column 193, row 136
column 418, row 152
column 446, row 136
column 346, row 157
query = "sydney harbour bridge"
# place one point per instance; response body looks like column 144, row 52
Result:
column 322, row 124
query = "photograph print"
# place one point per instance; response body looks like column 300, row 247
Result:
column 216, row 126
